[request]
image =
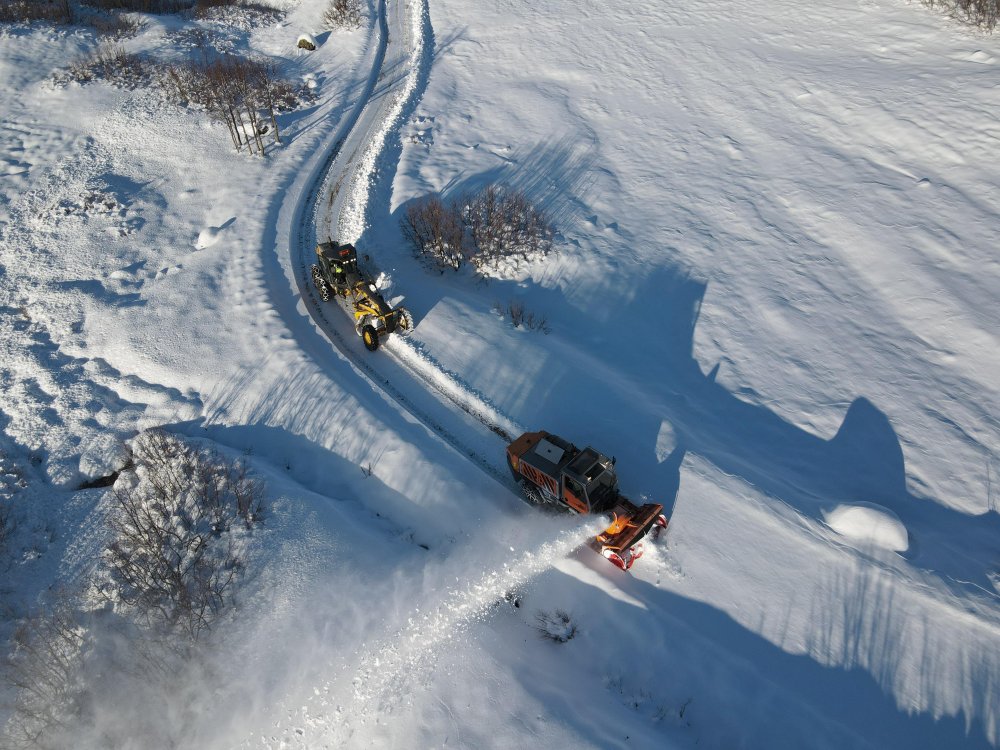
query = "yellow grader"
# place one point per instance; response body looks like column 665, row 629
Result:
column 337, row 273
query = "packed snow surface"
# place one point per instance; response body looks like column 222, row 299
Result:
column 869, row 525
column 773, row 293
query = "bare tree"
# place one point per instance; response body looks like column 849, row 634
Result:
column 176, row 552
column 504, row 224
column 271, row 90
column 343, row 14
column 434, row 229
column 246, row 95
column 45, row 667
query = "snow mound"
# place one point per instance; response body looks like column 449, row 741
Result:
column 104, row 456
column 869, row 524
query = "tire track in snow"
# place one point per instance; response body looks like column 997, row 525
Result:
column 340, row 193
column 347, row 177
column 339, row 198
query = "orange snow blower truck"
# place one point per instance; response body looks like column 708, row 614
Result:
column 552, row 471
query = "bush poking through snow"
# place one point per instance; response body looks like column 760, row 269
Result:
column 982, row 13
column 113, row 25
column 435, row 230
column 504, row 226
column 244, row 94
column 521, row 317
column 108, row 63
column 26, row 11
column 343, row 14
column 141, row 6
column 44, row 667
column 555, row 626
column 492, row 228
column 179, row 524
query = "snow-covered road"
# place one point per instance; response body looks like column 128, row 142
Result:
column 336, row 206
column 800, row 275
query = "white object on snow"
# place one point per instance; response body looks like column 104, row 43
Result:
column 869, row 524
column 207, row 237
column 666, row 441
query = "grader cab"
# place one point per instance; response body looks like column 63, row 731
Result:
column 336, row 273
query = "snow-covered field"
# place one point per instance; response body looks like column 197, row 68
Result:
column 773, row 299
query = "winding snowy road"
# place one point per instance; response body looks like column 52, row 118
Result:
column 336, row 205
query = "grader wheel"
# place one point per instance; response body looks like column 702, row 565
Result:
column 405, row 321
column 370, row 336
column 320, row 283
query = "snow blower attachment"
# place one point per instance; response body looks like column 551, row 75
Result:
column 337, row 273
column 552, row 471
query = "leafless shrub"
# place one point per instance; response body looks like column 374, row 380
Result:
column 141, row 6
column 202, row 6
column 112, row 25
column 981, row 13
column 180, row 518
column 505, row 225
column 489, row 228
column 241, row 14
column 343, row 14
column 44, row 667
column 435, row 230
column 111, row 63
column 26, row 11
column 520, row 317
column 556, row 626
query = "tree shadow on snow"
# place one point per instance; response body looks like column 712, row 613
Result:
column 739, row 688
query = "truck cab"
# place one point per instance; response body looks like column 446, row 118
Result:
column 554, row 471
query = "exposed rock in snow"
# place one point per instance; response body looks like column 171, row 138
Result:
column 306, row 42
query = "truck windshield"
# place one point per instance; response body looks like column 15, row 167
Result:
column 601, row 492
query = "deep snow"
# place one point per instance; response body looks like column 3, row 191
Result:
column 773, row 297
